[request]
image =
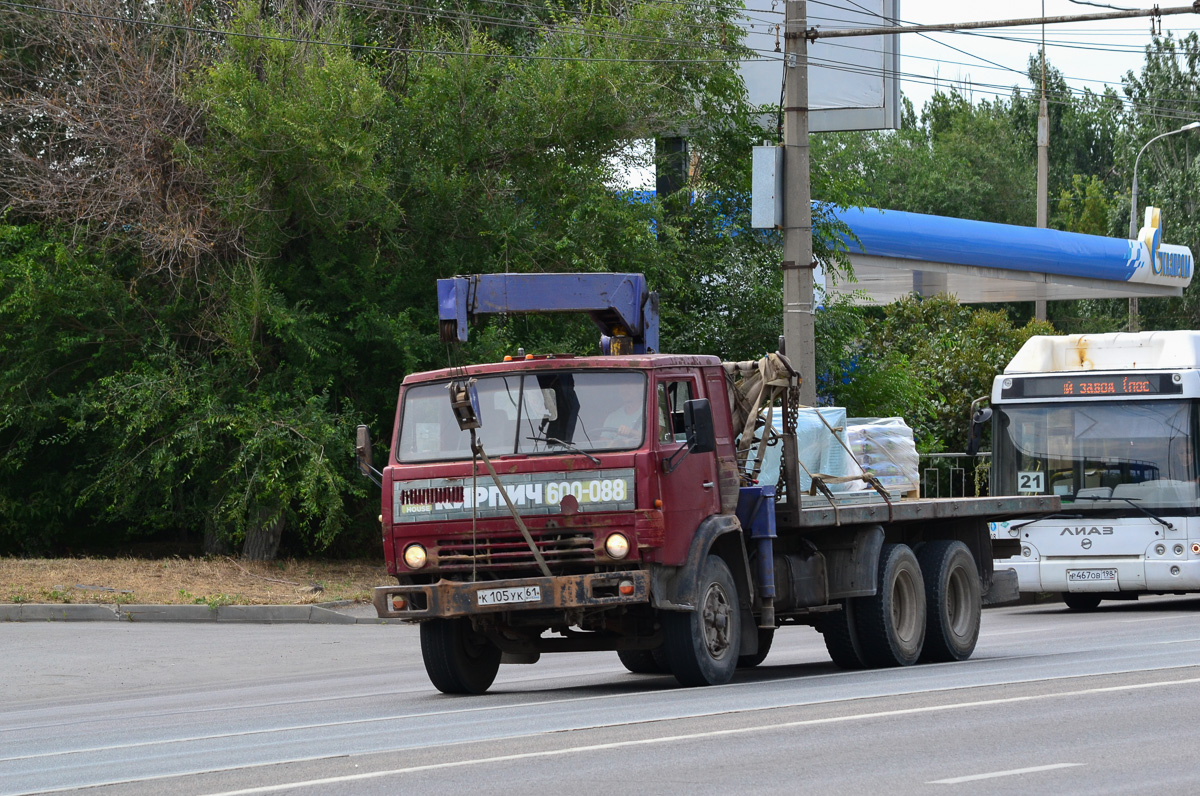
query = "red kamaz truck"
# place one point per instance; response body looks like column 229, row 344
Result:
column 553, row 503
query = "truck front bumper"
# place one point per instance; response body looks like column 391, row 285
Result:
column 448, row 599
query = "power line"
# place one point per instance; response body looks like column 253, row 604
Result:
column 985, row 88
column 1128, row 105
column 382, row 5
column 26, row 8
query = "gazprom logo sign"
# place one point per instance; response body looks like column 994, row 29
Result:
column 1154, row 262
column 1173, row 263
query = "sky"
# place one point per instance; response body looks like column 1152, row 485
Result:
column 1090, row 54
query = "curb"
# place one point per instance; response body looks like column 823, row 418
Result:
column 321, row 614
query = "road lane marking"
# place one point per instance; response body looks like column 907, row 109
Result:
column 1012, row 772
column 773, row 727
column 672, row 694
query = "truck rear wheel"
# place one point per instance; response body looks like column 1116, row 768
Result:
column 645, row 661
column 702, row 645
column 458, row 659
column 841, row 637
column 1081, row 601
column 953, row 601
column 891, row 623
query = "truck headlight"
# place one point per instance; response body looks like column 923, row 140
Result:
column 414, row 556
column 616, row 545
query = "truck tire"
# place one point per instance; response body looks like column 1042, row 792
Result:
column 841, row 637
column 702, row 645
column 644, row 661
column 765, row 636
column 953, row 601
column 1081, row 601
column 891, row 623
column 457, row 659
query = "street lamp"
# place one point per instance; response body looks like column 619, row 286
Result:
column 1133, row 199
column 1133, row 229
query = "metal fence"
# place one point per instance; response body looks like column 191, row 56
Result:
column 955, row 474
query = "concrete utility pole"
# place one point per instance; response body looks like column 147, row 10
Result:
column 1043, row 173
column 799, row 333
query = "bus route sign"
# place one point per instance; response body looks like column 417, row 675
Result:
column 1141, row 384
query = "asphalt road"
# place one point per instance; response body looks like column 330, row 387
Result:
column 1051, row 702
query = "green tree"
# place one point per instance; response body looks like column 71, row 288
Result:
column 217, row 393
column 955, row 349
column 1163, row 97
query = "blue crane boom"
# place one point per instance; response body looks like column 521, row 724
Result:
column 621, row 305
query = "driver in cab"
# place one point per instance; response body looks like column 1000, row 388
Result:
column 626, row 421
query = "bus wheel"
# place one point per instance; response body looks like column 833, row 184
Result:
column 1081, row 601
column 702, row 645
column 891, row 623
column 953, row 601
column 458, row 659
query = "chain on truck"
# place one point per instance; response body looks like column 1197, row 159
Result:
column 552, row 503
column 1110, row 424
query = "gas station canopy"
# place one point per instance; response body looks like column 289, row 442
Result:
column 899, row 253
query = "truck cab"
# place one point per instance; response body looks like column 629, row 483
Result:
column 603, row 479
column 591, row 451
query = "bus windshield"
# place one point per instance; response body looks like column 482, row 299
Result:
column 1098, row 455
column 531, row 413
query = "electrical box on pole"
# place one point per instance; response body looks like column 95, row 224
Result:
column 766, row 192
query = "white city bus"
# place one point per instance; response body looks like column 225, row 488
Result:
column 1110, row 424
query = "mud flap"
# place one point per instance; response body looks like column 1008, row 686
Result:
column 1004, row 588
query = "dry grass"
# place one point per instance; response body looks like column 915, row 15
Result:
column 178, row 581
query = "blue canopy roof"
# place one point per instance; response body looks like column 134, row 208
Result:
column 956, row 241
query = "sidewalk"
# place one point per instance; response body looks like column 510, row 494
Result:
column 335, row 613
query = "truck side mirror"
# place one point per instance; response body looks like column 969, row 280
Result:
column 975, row 435
column 362, row 455
column 698, row 424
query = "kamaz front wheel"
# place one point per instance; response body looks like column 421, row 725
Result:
column 458, row 659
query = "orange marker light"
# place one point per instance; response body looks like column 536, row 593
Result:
column 657, row 504
column 507, row 358
column 399, row 603
column 625, row 587
column 529, row 356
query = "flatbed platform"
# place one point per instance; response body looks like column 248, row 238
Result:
column 909, row 510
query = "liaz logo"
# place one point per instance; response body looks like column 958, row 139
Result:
column 1103, row 530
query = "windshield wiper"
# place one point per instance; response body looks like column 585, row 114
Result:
column 567, row 445
column 1040, row 517
column 1131, row 502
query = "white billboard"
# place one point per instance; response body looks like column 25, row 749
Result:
column 852, row 81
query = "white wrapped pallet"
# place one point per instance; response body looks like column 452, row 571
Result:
column 818, row 449
column 885, row 448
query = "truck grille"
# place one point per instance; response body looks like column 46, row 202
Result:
column 509, row 551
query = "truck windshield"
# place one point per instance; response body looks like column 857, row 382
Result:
column 533, row 413
column 1097, row 455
